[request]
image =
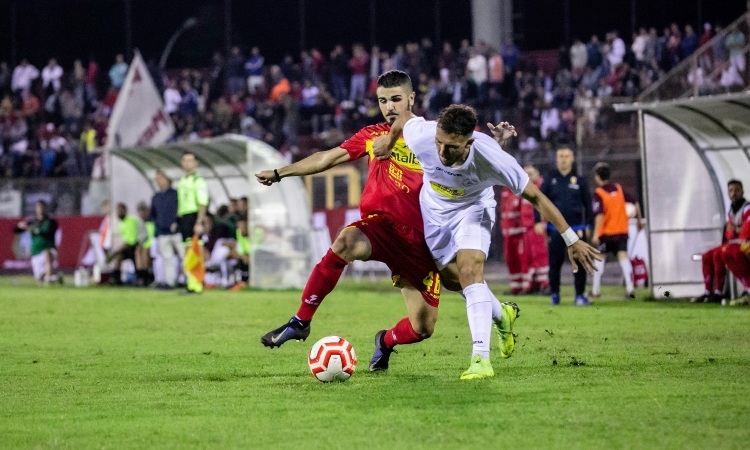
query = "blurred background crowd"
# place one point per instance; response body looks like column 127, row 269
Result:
column 53, row 116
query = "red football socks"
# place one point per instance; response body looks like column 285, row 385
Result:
column 402, row 333
column 322, row 280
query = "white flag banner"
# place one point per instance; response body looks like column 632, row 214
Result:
column 138, row 118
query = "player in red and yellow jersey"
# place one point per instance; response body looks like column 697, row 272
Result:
column 390, row 229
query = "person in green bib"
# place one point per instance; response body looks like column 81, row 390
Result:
column 192, row 198
column 43, row 252
column 131, row 229
column 246, row 242
column 145, row 251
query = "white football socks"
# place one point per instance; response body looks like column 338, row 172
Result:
column 627, row 272
column 596, row 285
column 497, row 307
column 479, row 310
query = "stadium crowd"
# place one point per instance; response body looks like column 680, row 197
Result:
column 53, row 121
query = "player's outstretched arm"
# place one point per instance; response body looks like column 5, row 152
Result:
column 315, row 163
column 381, row 147
column 502, row 132
column 578, row 250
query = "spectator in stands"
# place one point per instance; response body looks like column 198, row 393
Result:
column 71, row 110
column 673, row 45
column 689, row 42
column 735, row 43
column 23, row 75
column 376, row 64
column 550, row 123
column 254, row 67
column 118, row 72
column 730, row 80
column 594, row 52
column 706, row 56
column 318, row 66
column 172, row 97
column 511, row 56
column 359, row 66
column 31, row 107
column 234, row 70
column 496, row 71
column 698, row 80
column 51, row 76
column 736, row 234
column 339, row 73
column 651, row 53
column 719, row 48
column 578, row 57
column 476, row 74
column 308, row 106
column 617, row 49
column 640, row 42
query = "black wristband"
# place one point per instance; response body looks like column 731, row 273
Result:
column 278, row 177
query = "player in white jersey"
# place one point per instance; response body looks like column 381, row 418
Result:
column 458, row 207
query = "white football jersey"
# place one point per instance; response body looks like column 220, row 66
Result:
column 448, row 189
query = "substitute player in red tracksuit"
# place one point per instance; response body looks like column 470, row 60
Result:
column 730, row 253
column 736, row 252
column 535, row 245
column 513, row 233
column 525, row 250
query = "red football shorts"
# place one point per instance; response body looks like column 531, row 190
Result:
column 405, row 252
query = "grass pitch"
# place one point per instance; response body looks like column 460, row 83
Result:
column 129, row 368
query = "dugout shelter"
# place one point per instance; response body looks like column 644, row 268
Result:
column 228, row 163
column 690, row 149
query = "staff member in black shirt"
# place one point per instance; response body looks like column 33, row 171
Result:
column 168, row 236
column 571, row 196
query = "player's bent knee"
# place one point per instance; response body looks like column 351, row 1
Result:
column 352, row 244
column 424, row 330
column 470, row 274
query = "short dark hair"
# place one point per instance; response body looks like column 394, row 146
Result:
column 222, row 211
column 395, row 78
column 161, row 173
column 735, row 181
column 603, row 170
column 460, row 120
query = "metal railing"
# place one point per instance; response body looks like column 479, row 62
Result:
column 701, row 73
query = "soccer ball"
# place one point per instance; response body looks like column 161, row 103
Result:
column 332, row 359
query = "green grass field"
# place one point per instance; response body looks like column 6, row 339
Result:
column 129, row 368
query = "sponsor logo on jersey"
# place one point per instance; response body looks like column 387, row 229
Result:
column 401, row 154
column 446, row 191
column 404, row 157
column 453, row 174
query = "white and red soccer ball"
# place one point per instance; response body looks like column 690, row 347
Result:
column 332, row 359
